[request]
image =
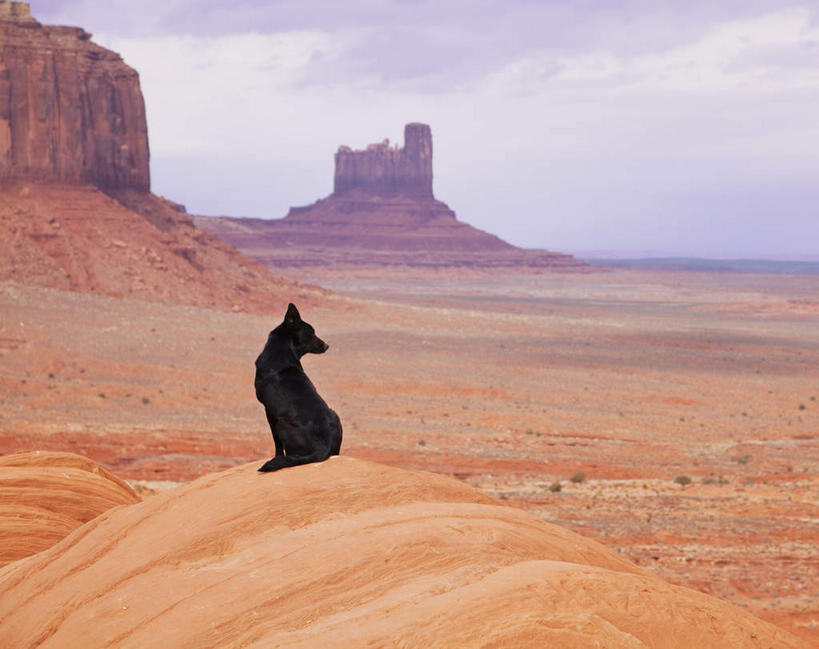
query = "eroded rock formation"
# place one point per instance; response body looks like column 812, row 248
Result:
column 381, row 170
column 348, row 553
column 382, row 212
column 70, row 110
column 75, row 207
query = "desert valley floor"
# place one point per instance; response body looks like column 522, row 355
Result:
column 511, row 383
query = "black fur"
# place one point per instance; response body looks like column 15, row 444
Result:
column 304, row 427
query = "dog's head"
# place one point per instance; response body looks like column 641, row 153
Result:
column 302, row 334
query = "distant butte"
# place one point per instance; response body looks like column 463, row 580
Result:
column 382, row 212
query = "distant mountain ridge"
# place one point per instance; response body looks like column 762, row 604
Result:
column 702, row 264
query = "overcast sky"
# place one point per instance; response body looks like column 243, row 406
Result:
column 682, row 127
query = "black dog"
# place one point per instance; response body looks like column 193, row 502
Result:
column 304, row 428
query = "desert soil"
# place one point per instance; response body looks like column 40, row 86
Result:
column 512, row 383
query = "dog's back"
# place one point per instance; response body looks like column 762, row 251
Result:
column 305, row 429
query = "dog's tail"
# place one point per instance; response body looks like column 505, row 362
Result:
column 283, row 461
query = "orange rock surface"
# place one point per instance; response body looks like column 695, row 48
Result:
column 45, row 496
column 348, row 553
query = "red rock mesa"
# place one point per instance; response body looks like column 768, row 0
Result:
column 75, row 203
column 70, row 110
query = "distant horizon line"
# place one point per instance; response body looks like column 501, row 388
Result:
column 655, row 255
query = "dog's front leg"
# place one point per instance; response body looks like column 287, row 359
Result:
column 274, row 430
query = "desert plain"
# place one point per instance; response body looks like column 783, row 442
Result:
column 672, row 416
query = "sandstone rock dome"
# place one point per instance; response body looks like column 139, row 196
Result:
column 348, row 553
column 45, row 496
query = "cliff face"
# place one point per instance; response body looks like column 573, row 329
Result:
column 70, row 111
column 380, row 170
column 75, row 206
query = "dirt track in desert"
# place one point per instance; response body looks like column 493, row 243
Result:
column 510, row 383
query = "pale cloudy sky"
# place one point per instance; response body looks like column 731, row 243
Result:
column 675, row 127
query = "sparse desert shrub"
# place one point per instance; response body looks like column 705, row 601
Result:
column 802, row 406
column 555, row 487
column 741, row 459
column 682, row 480
column 421, row 442
column 712, row 479
column 578, row 477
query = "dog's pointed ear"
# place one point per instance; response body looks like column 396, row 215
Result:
column 292, row 317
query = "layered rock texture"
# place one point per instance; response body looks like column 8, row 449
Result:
column 75, row 207
column 70, row 110
column 348, row 553
column 386, row 171
column 46, row 496
column 382, row 212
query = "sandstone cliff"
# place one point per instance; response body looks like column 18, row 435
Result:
column 347, row 553
column 70, row 110
column 382, row 212
column 75, row 206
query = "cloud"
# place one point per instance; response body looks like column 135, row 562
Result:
column 729, row 56
column 211, row 95
column 732, row 56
